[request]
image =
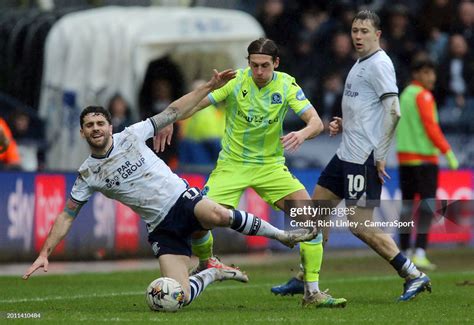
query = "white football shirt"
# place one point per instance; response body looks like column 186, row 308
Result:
column 131, row 173
column 370, row 80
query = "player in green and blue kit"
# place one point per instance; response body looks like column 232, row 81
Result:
column 257, row 101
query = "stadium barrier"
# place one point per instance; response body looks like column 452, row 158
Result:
column 29, row 203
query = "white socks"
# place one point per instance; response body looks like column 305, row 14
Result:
column 310, row 288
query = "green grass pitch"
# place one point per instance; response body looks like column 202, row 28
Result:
column 370, row 286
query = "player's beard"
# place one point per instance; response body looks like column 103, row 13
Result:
column 98, row 145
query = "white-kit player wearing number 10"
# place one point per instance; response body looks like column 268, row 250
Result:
column 123, row 168
column 371, row 111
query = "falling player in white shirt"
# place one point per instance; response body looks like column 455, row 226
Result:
column 371, row 112
column 122, row 167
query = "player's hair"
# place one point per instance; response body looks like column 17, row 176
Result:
column 368, row 15
column 263, row 46
column 95, row 109
column 422, row 62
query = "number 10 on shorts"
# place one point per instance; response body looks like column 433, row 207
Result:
column 356, row 183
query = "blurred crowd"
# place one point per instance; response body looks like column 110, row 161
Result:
column 316, row 48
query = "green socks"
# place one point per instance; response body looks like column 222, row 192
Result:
column 202, row 247
column 312, row 258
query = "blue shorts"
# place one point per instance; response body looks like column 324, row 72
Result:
column 173, row 234
column 351, row 181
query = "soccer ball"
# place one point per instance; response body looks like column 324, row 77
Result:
column 165, row 294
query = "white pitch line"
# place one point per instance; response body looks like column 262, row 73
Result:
column 231, row 287
column 111, row 294
column 72, row 297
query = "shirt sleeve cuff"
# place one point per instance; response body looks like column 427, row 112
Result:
column 212, row 100
column 155, row 130
column 304, row 109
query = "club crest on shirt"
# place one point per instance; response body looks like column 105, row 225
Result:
column 276, row 98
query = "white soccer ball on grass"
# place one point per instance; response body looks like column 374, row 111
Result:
column 165, row 294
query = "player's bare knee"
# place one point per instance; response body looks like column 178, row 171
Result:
column 222, row 217
column 217, row 216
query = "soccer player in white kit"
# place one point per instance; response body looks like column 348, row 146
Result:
column 371, row 111
column 123, row 168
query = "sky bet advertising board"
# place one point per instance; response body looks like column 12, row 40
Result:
column 29, row 204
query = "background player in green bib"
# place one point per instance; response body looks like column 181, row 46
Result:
column 419, row 142
column 256, row 102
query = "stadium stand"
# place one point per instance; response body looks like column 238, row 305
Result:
column 409, row 28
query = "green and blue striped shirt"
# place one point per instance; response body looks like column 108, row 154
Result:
column 254, row 116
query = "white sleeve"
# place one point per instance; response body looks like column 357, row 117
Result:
column 143, row 130
column 81, row 191
column 391, row 117
column 384, row 79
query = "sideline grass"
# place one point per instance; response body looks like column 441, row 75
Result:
column 369, row 285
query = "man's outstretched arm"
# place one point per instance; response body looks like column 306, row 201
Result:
column 181, row 107
column 60, row 228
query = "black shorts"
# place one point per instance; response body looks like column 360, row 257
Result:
column 173, row 234
column 421, row 180
column 351, row 181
